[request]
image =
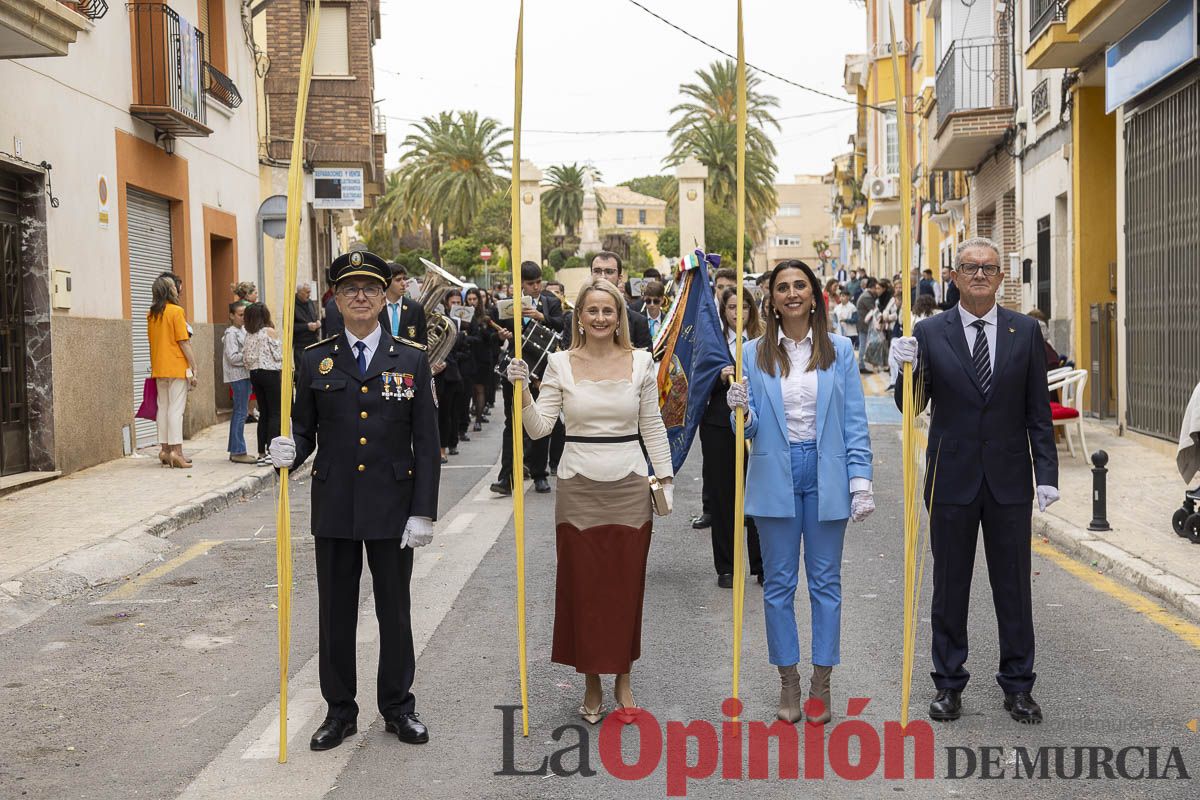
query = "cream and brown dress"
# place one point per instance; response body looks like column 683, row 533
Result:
column 602, row 509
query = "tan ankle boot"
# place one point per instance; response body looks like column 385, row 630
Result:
column 819, row 690
column 791, row 707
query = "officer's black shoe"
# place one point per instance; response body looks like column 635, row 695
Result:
column 331, row 733
column 410, row 729
column 453, row 451
column 725, row 580
column 541, row 485
column 702, row 521
column 1023, row 708
column 502, row 486
column 947, row 706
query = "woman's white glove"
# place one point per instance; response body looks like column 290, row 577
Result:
column 418, row 532
column 669, row 491
column 282, row 451
column 517, row 371
column 738, row 396
column 861, row 505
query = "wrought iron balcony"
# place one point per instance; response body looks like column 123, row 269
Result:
column 92, row 9
column 1041, row 99
column 169, row 71
column 1043, row 13
column 222, row 88
column 973, row 75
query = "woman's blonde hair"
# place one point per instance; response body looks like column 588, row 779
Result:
column 242, row 289
column 621, row 335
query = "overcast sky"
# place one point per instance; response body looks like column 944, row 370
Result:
column 605, row 65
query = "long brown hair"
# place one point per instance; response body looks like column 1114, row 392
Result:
column 771, row 357
column 257, row 317
column 751, row 323
column 164, row 293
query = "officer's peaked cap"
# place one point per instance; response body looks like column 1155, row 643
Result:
column 359, row 264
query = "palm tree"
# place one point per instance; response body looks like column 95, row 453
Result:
column 389, row 212
column 449, row 167
column 563, row 201
column 706, row 129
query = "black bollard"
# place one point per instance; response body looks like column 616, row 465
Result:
column 1099, row 492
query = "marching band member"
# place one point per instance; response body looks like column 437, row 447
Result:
column 809, row 472
column 607, row 393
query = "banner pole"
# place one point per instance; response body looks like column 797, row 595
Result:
column 518, row 388
column 739, row 439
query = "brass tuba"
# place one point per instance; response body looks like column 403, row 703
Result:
column 442, row 331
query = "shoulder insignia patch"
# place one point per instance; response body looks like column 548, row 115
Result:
column 410, row 343
column 323, row 341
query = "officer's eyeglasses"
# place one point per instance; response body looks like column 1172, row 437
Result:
column 990, row 270
column 370, row 292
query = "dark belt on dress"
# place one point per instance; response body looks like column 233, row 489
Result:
column 633, row 437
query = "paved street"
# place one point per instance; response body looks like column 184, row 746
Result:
column 165, row 686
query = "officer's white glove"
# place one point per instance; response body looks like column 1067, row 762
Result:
column 282, row 451
column 417, row 533
column 1046, row 497
column 861, row 505
column 738, row 396
column 517, row 371
column 905, row 350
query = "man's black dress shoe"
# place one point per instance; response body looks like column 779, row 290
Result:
column 701, row 522
column 462, row 437
column 725, row 580
column 453, row 451
column 410, row 729
column 946, row 706
column 501, row 487
column 759, row 577
column 541, row 485
column 331, row 733
column 1023, row 708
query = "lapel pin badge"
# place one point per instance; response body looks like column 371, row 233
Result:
column 1012, row 330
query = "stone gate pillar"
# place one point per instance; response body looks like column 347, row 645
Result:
column 691, row 175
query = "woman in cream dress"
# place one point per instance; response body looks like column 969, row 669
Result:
column 607, row 393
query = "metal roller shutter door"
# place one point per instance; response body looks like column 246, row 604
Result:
column 148, row 223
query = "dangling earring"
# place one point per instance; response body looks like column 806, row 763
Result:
column 812, row 309
column 617, row 331
column 581, row 333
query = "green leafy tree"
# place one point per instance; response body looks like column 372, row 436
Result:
column 562, row 202
column 449, row 167
column 384, row 225
column 460, row 255
column 720, row 235
column 639, row 256
column 668, row 243
column 557, row 258
column 706, row 129
column 573, row 262
column 652, row 185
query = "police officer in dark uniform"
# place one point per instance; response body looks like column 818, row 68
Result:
column 366, row 398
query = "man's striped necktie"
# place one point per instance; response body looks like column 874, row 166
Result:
column 981, row 356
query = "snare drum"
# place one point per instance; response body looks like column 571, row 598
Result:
column 537, row 342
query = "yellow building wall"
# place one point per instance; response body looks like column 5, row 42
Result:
column 1094, row 190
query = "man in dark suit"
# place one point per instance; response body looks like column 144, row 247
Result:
column 401, row 315
column 366, row 397
column 950, row 292
column 984, row 369
column 607, row 265
column 548, row 311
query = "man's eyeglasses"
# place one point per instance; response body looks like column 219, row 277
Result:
column 370, row 292
column 601, row 272
column 990, row 270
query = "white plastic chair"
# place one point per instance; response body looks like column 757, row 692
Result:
column 1056, row 373
column 1071, row 385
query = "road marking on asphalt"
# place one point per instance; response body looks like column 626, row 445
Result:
column 131, row 588
column 246, row 766
column 1156, row 613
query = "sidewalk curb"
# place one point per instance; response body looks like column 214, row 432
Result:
column 120, row 553
column 1084, row 546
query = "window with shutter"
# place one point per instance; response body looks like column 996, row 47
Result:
column 333, row 42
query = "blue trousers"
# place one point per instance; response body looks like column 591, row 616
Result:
column 237, row 423
column 781, row 540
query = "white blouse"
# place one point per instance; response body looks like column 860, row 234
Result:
column 799, row 389
column 602, row 408
column 262, row 351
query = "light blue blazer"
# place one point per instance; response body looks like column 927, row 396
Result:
column 843, row 441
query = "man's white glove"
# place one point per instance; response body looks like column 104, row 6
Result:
column 517, row 371
column 738, row 396
column 905, row 349
column 417, row 533
column 282, row 451
column 1046, row 497
column 861, row 505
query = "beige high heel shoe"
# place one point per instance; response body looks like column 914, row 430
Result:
column 819, row 690
column 790, row 706
column 164, row 458
column 179, row 462
column 592, row 716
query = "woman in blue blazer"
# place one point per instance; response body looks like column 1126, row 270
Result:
column 810, row 471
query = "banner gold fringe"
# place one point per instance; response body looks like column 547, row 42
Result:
column 283, row 519
column 518, row 389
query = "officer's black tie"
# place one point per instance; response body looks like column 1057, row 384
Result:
column 981, row 357
column 361, row 347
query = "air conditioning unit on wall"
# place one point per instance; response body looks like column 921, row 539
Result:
column 883, row 188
